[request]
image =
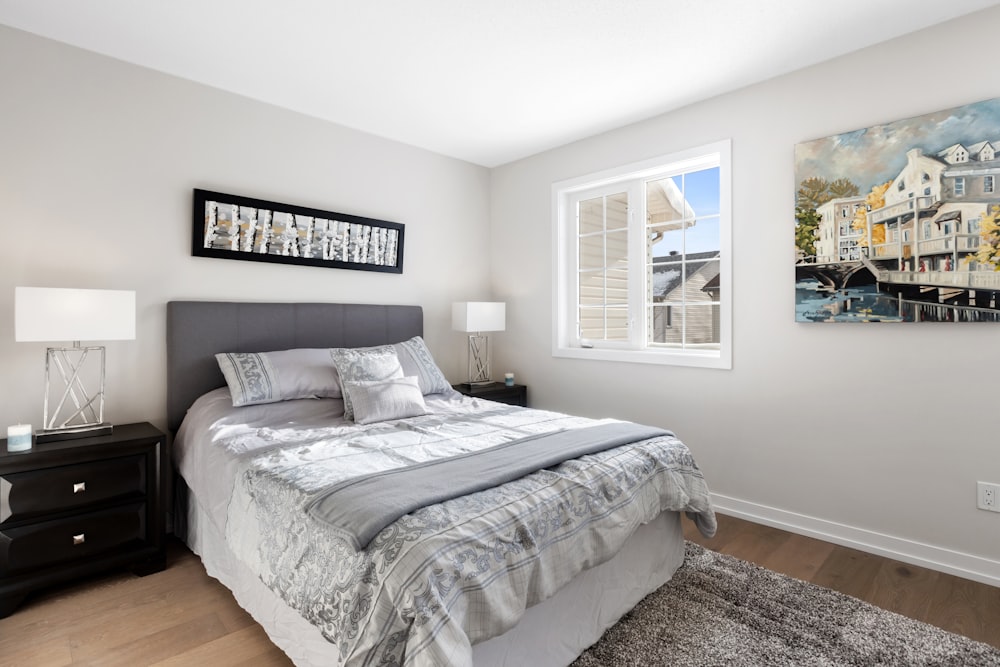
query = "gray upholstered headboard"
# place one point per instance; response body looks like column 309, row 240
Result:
column 197, row 330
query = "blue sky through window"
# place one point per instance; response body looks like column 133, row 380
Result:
column 701, row 191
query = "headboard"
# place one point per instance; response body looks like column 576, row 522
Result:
column 198, row 330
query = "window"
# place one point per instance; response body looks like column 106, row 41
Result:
column 960, row 186
column 987, row 184
column 643, row 261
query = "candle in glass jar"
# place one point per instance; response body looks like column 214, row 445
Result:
column 18, row 438
column 508, row 379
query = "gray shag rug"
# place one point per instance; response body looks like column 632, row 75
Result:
column 719, row 610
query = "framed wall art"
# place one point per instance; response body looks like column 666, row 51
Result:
column 901, row 222
column 234, row 227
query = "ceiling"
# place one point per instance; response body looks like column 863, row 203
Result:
column 487, row 81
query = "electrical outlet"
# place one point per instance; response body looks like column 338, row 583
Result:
column 988, row 496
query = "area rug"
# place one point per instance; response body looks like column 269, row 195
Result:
column 719, row 610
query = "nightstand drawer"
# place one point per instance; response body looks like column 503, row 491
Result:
column 30, row 494
column 50, row 542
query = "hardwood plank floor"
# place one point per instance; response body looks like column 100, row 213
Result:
column 181, row 616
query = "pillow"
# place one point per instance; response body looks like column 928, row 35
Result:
column 355, row 364
column 269, row 377
column 381, row 400
column 416, row 360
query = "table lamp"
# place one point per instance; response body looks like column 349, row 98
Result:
column 46, row 314
column 475, row 317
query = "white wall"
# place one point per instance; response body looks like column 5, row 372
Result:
column 98, row 160
column 872, row 435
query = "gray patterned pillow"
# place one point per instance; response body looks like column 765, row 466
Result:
column 416, row 360
column 269, row 377
column 378, row 401
column 355, row 364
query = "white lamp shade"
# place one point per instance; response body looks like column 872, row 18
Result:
column 478, row 316
column 65, row 314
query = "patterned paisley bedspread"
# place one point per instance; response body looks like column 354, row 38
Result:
column 448, row 575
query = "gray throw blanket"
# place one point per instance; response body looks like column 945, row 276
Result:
column 359, row 508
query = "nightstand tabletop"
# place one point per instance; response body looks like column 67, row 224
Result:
column 496, row 391
column 120, row 433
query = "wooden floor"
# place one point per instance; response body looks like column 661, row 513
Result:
column 183, row 617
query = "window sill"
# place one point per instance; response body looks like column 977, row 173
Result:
column 697, row 359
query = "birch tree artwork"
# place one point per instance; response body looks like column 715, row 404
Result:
column 250, row 229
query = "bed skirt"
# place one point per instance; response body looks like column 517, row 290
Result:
column 552, row 633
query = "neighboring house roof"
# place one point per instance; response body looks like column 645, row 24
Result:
column 666, row 204
column 713, row 284
column 667, row 270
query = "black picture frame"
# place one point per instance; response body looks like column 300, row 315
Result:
column 314, row 237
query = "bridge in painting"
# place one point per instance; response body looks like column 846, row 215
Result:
column 835, row 275
column 979, row 289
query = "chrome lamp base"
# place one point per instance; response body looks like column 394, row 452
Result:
column 479, row 360
column 77, row 413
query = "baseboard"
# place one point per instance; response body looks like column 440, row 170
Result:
column 960, row 564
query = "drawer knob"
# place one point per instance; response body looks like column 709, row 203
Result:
column 79, row 539
column 79, row 487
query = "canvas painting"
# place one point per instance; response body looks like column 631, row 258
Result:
column 901, row 222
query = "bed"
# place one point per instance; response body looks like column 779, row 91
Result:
column 529, row 571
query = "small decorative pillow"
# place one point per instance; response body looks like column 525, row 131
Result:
column 269, row 377
column 379, row 401
column 357, row 364
column 416, row 360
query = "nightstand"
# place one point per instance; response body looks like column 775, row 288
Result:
column 496, row 391
column 70, row 508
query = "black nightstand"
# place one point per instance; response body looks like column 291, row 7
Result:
column 496, row 391
column 73, row 507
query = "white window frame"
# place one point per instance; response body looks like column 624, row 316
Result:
column 566, row 340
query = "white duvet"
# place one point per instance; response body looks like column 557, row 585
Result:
column 443, row 577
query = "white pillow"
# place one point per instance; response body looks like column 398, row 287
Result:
column 357, row 364
column 269, row 377
column 381, row 400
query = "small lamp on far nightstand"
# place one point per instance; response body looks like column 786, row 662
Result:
column 43, row 314
column 475, row 317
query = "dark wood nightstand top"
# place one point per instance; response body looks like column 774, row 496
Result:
column 49, row 453
column 496, row 391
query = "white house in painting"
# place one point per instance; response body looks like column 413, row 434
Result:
column 836, row 238
column 948, row 196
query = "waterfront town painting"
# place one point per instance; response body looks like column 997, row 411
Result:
column 901, row 222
